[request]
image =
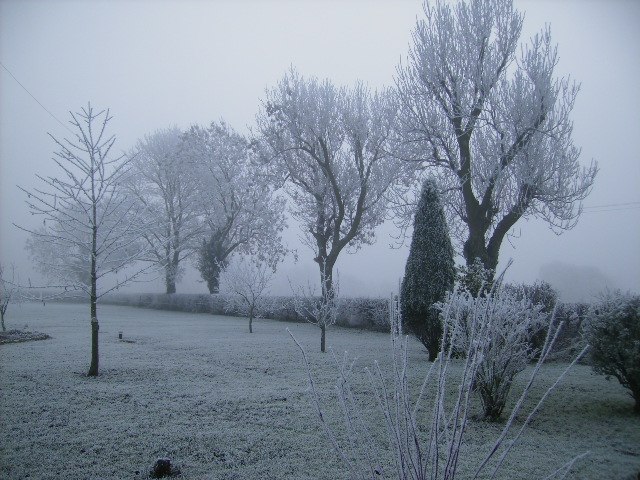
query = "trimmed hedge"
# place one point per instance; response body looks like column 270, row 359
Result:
column 365, row 313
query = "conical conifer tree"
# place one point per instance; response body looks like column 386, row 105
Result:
column 430, row 270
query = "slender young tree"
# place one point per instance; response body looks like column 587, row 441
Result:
column 239, row 208
column 162, row 182
column 89, row 229
column 247, row 280
column 331, row 146
column 9, row 292
column 319, row 310
column 430, row 270
column 492, row 121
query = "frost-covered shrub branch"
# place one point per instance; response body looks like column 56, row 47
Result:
column 509, row 322
column 431, row 451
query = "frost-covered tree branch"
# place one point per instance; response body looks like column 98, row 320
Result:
column 239, row 208
column 433, row 450
column 331, row 145
column 90, row 229
column 490, row 119
column 162, row 181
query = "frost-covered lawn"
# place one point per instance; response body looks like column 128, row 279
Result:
column 224, row 404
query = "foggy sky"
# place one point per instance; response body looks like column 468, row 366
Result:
column 157, row 64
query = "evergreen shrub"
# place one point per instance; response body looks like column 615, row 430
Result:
column 430, row 271
column 613, row 331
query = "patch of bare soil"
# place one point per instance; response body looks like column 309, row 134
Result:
column 16, row 336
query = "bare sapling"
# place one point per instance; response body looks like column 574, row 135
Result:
column 320, row 310
column 90, row 228
column 9, row 292
column 247, row 279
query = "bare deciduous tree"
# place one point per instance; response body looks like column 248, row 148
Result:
column 9, row 292
column 492, row 125
column 331, row 146
column 238, row 205
column 318, row 309
column 89, row 229
column 163, row 183
column 247, row 280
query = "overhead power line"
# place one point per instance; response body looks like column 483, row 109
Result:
column 37, row 101
column 611, row 207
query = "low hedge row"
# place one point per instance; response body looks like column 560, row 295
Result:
column 366, row 313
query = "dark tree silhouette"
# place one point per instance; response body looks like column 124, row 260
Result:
column 430, row 270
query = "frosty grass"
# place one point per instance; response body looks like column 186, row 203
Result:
column 225, row 404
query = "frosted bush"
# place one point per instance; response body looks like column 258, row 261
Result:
column 507, row 319
column 543, row 294
column 474, row 278
column 613, row 330
column 430, row 450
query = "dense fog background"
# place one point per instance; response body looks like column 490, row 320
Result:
column 158, row 64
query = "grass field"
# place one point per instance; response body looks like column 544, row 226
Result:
column 226, row 404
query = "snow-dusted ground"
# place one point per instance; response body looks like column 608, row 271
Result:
column 226, row 404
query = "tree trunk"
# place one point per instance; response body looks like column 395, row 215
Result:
column 474, row 248
column 93, row 369
column 4, row 328
column 212, row 260
column 171, row 271
column 213, row 282
column 326, row 281
column 251, row 315
column 170, row 283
